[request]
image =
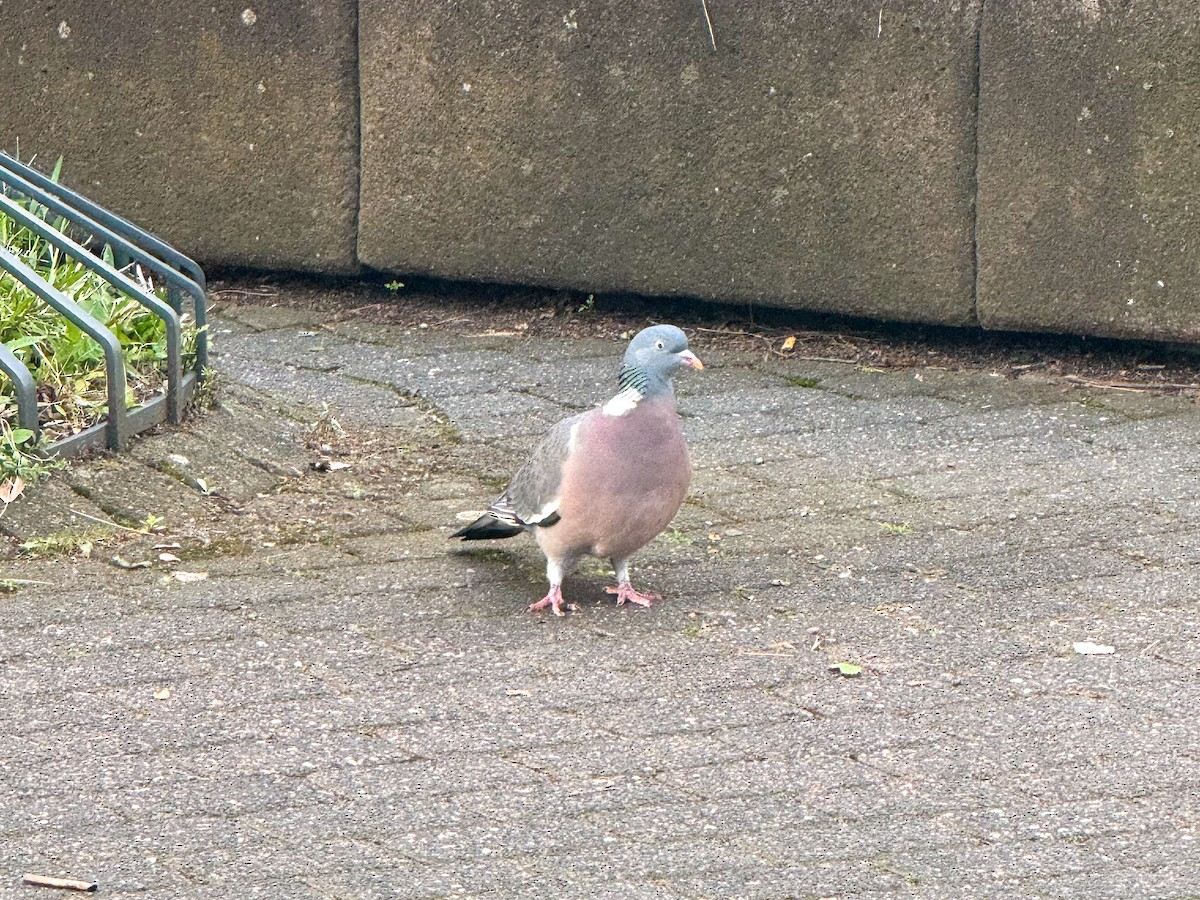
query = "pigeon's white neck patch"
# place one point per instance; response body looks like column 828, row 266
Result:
column 623, row 403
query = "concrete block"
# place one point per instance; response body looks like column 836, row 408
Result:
column 820, row 157
column 1089, row 143
column 229, row 129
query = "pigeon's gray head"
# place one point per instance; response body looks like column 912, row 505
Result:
column 653, row 356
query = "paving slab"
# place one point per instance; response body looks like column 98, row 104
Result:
column 324, row 696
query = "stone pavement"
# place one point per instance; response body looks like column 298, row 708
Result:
column 325, row 698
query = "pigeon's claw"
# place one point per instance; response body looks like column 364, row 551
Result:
column 554, row 600
column 625, row 592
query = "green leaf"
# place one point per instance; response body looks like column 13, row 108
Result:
column 20, row 343
column 846, row 669
column 21, row 435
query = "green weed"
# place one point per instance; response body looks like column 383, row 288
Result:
column 20, row 453
column 803, row 381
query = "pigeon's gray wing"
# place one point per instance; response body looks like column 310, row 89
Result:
column 531, row 498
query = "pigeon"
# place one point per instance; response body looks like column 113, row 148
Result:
column 607, row 481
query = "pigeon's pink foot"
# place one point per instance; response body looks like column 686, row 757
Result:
column 625, row 591
column 554, row 600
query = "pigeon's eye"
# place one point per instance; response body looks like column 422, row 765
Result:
column 658, row 345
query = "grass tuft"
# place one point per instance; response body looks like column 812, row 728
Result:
column 67, row 542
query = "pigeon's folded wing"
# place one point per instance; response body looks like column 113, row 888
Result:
column 531, row 498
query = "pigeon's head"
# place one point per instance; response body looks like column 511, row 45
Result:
column 653, row 355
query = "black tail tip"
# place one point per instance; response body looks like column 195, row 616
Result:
column 487, row 527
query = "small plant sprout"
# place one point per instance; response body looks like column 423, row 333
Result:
column 152, row 524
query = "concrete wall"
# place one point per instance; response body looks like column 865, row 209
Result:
column 818, row 157
column 1089, row 167
column 231, row 129
column 826, row 155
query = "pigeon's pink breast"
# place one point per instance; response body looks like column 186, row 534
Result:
column 624, row 481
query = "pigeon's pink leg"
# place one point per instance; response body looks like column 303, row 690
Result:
column 624, row 590
column 554, row 599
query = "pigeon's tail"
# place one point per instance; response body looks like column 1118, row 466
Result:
column 487, row 527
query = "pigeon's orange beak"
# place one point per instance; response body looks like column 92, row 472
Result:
column 691, row 359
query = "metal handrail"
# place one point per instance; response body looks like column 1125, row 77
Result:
column 182, row 277
column 180, row 272
column 18, row 373
column 119, row 280
column 114, row 366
